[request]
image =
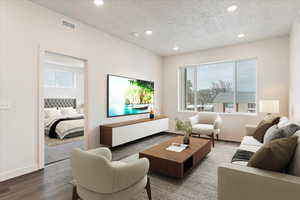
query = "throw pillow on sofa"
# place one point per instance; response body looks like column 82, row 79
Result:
column 263, row 126
column 276, row 155
column 290, row 130
column 284, row 121
column 277, row 133
column 294, row 167
column 270, row 133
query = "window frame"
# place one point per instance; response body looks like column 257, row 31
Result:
column 74, row 77
column 181, row 91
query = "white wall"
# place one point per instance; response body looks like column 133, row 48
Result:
column 2, row 124
column 29, row 26
column 77, row 92
column 272, row 79
column 295, row 71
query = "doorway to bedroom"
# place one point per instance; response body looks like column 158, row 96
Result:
column 63, row 99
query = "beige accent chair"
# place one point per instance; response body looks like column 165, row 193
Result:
column 98, row 178
column 206, row 123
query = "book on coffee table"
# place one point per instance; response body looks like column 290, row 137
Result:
column 177, row 147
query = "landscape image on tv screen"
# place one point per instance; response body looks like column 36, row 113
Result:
column 127, row 96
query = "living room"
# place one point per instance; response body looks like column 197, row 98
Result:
column 154, row 43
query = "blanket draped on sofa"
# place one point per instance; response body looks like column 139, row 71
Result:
column 242, row 155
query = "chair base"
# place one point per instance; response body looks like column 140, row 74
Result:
column 148, row 189
column 75, row 195
column 212, row 137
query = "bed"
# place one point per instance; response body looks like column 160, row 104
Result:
column 62, row 121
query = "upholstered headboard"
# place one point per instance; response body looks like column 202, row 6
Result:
column 59, row 103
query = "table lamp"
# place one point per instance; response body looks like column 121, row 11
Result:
column 269, row 106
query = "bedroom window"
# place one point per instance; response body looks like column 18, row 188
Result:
column 227, row 87
column 59, row 79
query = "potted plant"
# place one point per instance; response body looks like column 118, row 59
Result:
column 186, row 128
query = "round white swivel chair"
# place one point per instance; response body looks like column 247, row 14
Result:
column 98, row 178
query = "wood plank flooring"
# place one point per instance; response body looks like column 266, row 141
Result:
column 53, row 183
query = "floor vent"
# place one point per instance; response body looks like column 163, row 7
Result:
column 68, row 24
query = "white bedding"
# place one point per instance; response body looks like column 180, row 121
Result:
column 65, row 128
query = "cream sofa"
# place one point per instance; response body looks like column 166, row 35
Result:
column 236, row 181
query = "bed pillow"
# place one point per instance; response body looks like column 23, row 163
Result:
column 68, row 111
column 263, row 126
column 50, row 112
column 276, row 155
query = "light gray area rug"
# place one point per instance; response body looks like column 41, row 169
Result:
column 61, row 152
column 200, row 184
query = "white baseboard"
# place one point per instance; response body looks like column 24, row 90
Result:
column 17, row 172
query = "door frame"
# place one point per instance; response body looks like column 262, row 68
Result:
column 40, row 105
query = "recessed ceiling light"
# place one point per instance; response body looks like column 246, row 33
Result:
column 135, row 34
column 98, row 2
column 241, row 35
column 148, row 32
column 232, row 8
column 176, row 48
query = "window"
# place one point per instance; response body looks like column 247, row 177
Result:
column 189, row 103
column 59, row 78
column 220, row 87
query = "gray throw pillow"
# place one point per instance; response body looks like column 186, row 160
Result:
column 283, row 132
column 271, row 134
column 290, row 130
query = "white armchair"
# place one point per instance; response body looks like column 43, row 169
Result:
column 99, row 178
column 206, row 123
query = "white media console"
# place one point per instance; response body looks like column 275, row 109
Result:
column 115, row 134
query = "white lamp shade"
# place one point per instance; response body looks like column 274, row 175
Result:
column 269, row 106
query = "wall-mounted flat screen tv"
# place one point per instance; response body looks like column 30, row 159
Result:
column 128, row 96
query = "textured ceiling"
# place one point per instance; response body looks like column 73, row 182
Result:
column 190, row 24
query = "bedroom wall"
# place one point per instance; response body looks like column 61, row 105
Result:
column 295, row 71
column 29, row 26
column 2, row 96
column 77, row 92
column 272, row 79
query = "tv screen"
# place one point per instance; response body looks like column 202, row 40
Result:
column 128, row 96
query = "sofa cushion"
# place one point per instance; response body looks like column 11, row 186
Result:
column 250, row 140
column 294, row 167
column 242, row 163
column 206, row 129
column 276, row 155
column 263, row 126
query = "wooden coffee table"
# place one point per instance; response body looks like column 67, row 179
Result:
column 176, row 164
